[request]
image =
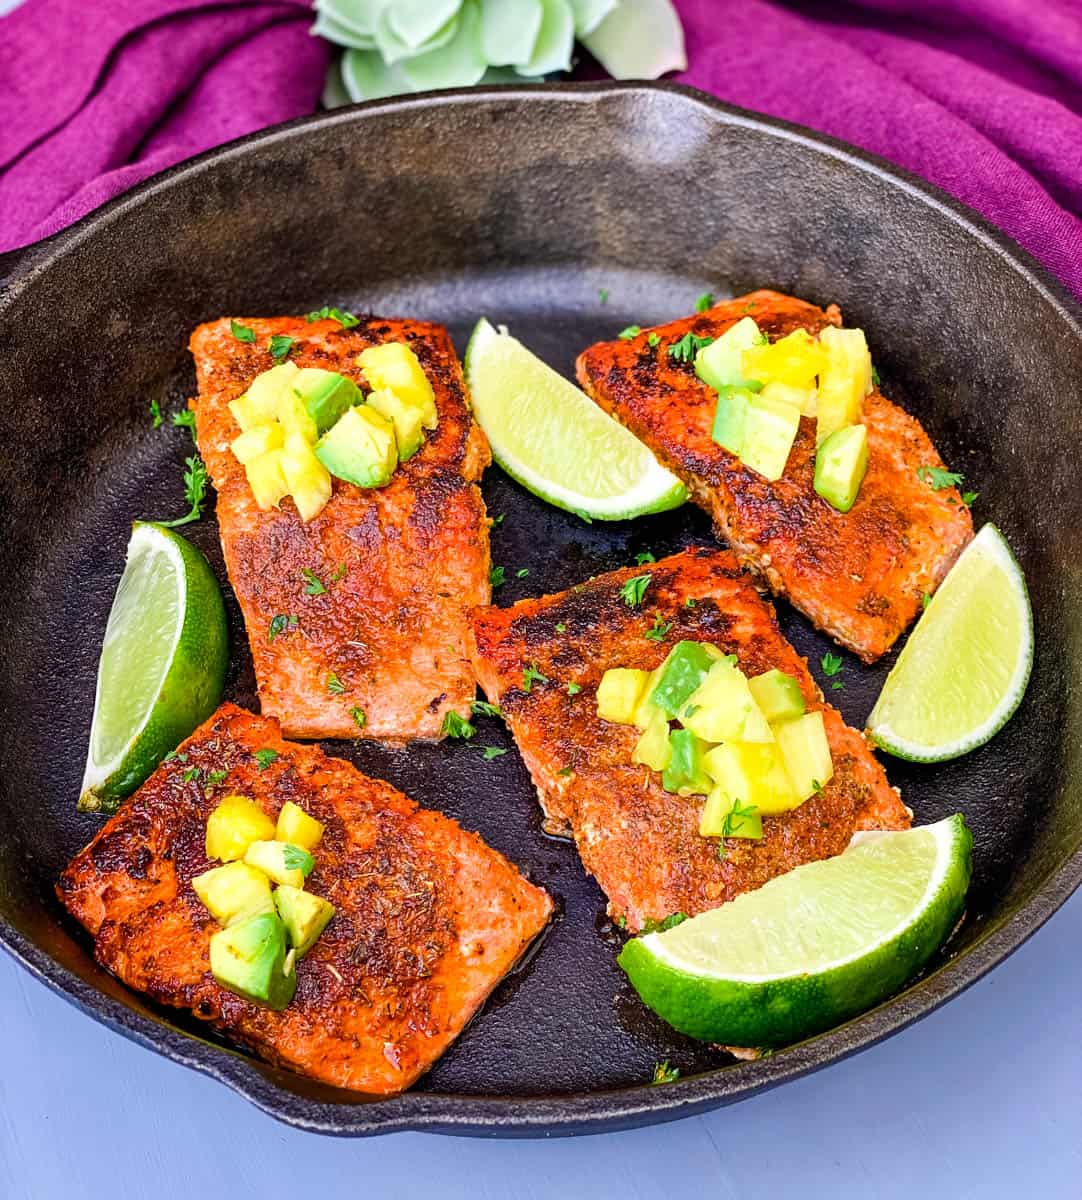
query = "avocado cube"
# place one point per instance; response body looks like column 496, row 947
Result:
column 653, row 747
column 308, row 479
column 685, row 773
column 249, row 958
column 840, row 465
column 266, row 479
column 394, row 365
column 778, row 695
column 327, row 395
column 360, row 449
column 296, row 826
column 259, row 404
column 233, row 826
column 795, row 359
column 805, row 751
column 770, row 428
column 305, row 916
column 719, row 363
column 731, row 419
column 281, row 861
column 619, row 694
column 234, row 892
column 260, row 439
column 844, row 382
column 406, row 417
column 722, row 708
column 715, row 819
column 682, row 671
column 754, row 774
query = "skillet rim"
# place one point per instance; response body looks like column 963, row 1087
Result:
column 584, row 1112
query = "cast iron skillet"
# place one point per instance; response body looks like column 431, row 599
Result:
column 530, row 206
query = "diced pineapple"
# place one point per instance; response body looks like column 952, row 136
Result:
column 259, row 404
column 801, row 398
column 654, row 748
column 795, row 360
column 296, row 826
column 394, row 365
column 754, row 774
column 805, row 751
column 256, row 441
column 234, row 892
column 778, row 695
column 266, row 479
column 845, row 381
column 407, row 418
column 619, row 694
column 722, row 708
column 234, row 825
column 294, row 416
column 646, row 709
column 308, row 480
column 715, row 819
column 281, row 861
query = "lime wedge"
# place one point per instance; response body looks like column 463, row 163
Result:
column 966, row 665
column 555, row 441
column 162, row 664
column 810, row 948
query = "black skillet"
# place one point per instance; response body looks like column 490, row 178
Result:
column 566, row 212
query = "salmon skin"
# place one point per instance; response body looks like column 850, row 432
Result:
column 640, row 842
column 401, row 565
column 860, row 576
column 428, row 919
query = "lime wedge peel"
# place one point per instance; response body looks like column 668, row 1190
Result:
column 162, row 665
column 813, row 947
column 965, row 667
column 553, row 439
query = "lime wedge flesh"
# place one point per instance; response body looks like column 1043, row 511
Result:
column 964, row 670
column 555, row 441
column 162, row 664
column 810, row 948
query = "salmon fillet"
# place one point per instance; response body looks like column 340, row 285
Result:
column 859, row 576
column 640, row 842
column 428, row 918
column 414, row 554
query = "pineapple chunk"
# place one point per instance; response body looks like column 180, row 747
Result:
column 654, row 748
column 234, row 825
column 309, row 481
column 619, row 694
column 259, row 404
column 234, row 892
column 296, row 826
column 256, row 441
column 407, row 418
column 394, row 365
column 754, row 774
column 281, row 861
column 723, row 709
column 844, row 383
column 805, row 751
column 795, row 360
column 265, row 478
column 294, row 416
column 801, row 398
column 715, row 821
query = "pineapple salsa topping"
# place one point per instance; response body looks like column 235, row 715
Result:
column 300, row 426
column 748, row 745
column 265, row 931
column 765, row 387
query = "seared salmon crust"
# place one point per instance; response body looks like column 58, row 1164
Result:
column 640, row 842
column 401, row 565
column 428, row 919
column 861, row 575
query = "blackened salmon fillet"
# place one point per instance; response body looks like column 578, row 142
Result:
column 542, row 660
column 428, row 919
column 380, row 651
column 860, row 575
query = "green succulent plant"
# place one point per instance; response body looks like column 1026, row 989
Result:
column 395, row 46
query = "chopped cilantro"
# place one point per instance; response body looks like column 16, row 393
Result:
column 657, row 632
column 937, row 478
column 688, row 346
column 455, row 726
column 561, row 626
column 295, row 858
column 334, row 685
column 925, row 599
column 669, row 922
column 837, row 685
column 665, row 1073
column 749, row 307
column 532, row 675
column 603, row 295
column 156, row 414
column 280, row 624
column 705, row 301
column 653, row 339
column 644, row 556
column 191, row 774
column 566, row 771
column 265, row 757
column 875, row 376
column 522, row 573
column 735, row 817
column 488, row 753
column 634, row 589
column 573, row 689
column 316, row 586
column 339, row 572
column 816, row 785
column 345, row 319
column 629, row 332
column 483, row 709
column 831, row 664
column 497, row 576
column 968, row 498
column 216, row 777
column 195, row 491
column 499, row 519
column 359, row 716
column 241, row 332
column 184, row 419
column 690, row 602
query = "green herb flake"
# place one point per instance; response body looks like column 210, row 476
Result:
column 968, row 498
column 195, row 492
column 735, row 817
column 705, row 301
column 875, row 377
column 522, row 573
column 241, row 332
column 315, row 585
column 295, row 858
column 669, row 922
column 156, row 414
column 603, row 295
column 334, row 685
column 280, row 346
column 657, row 632
column 497, row 577
column 634, row 589
column 816, row 786
column 629, row 332
column 359, row 716
column 216, row 777
column 488, row 753
column 925, row 599
column 937, row 478
column 338, row 573
column 665, row 1073
column 653, row 340
column 573, row 689
column 688, row 346
column 690, row 602
column 499, row 519
column 184, row 418
column 532, row 675
column 280, row 624
column 345, row 319
column 561, row 626
column 831, row 664
column 483, row 709
column 455, row 726
column 191, row 774
column 265, row 757
column 566, row 771
column 644, row 556
column 837, row 685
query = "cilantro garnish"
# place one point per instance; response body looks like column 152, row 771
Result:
column 831, row 664
column 195, row 491
column 280, row 345
column 669, row 922
column 499, row 519
column 345, row 319
column 532, row 675
column 735, row 818
column 315, row 585
column 334, row 685
column 937, row 478
column 665, row 1073
column 573, row 689
column 658, row 630
column 634, row 589
column 184, row 419
column 294, row 858
column 360, row 716
column 653, row 339
column 265, row 757
column 875, row 376
column 497, row 576
column 280, row 624
column 603, row 295
column 241, row 332
column 968, row 498
column 644, row 556
column 483, row 709
column 561, row 626
column 705, row 301
column 156, row 414
column 688, row 346
column 488, row 753
column 566, row 771
column 631, row 331
column 191, row 774
column 455, row 726
column 522, row 573
column 689, row 602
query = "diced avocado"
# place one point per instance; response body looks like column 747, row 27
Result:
column 308, row 479
column 407, row 419
column 681, row 673
column 845, row 381
column 731, row 418
column 234, row 892
column 294, row 417
column 249, row 958
column 685, row 773
column 722, row 708
column 296, row 826
column 802, row 398
column 619, row 694
column 719, row 363
column 654, row 748
column 326, row 395
column 256, row 441
column 360, row 449
column 770, row 428
column 394, row 365
column 806, row 753
column 281, row 861
column 234, row 825
column 259, row 404
column 265, row 478
column 305, row 916
column 840, row 464
column 712, row 821
column 778, row 695
column 754, row 774
column 795, row 359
